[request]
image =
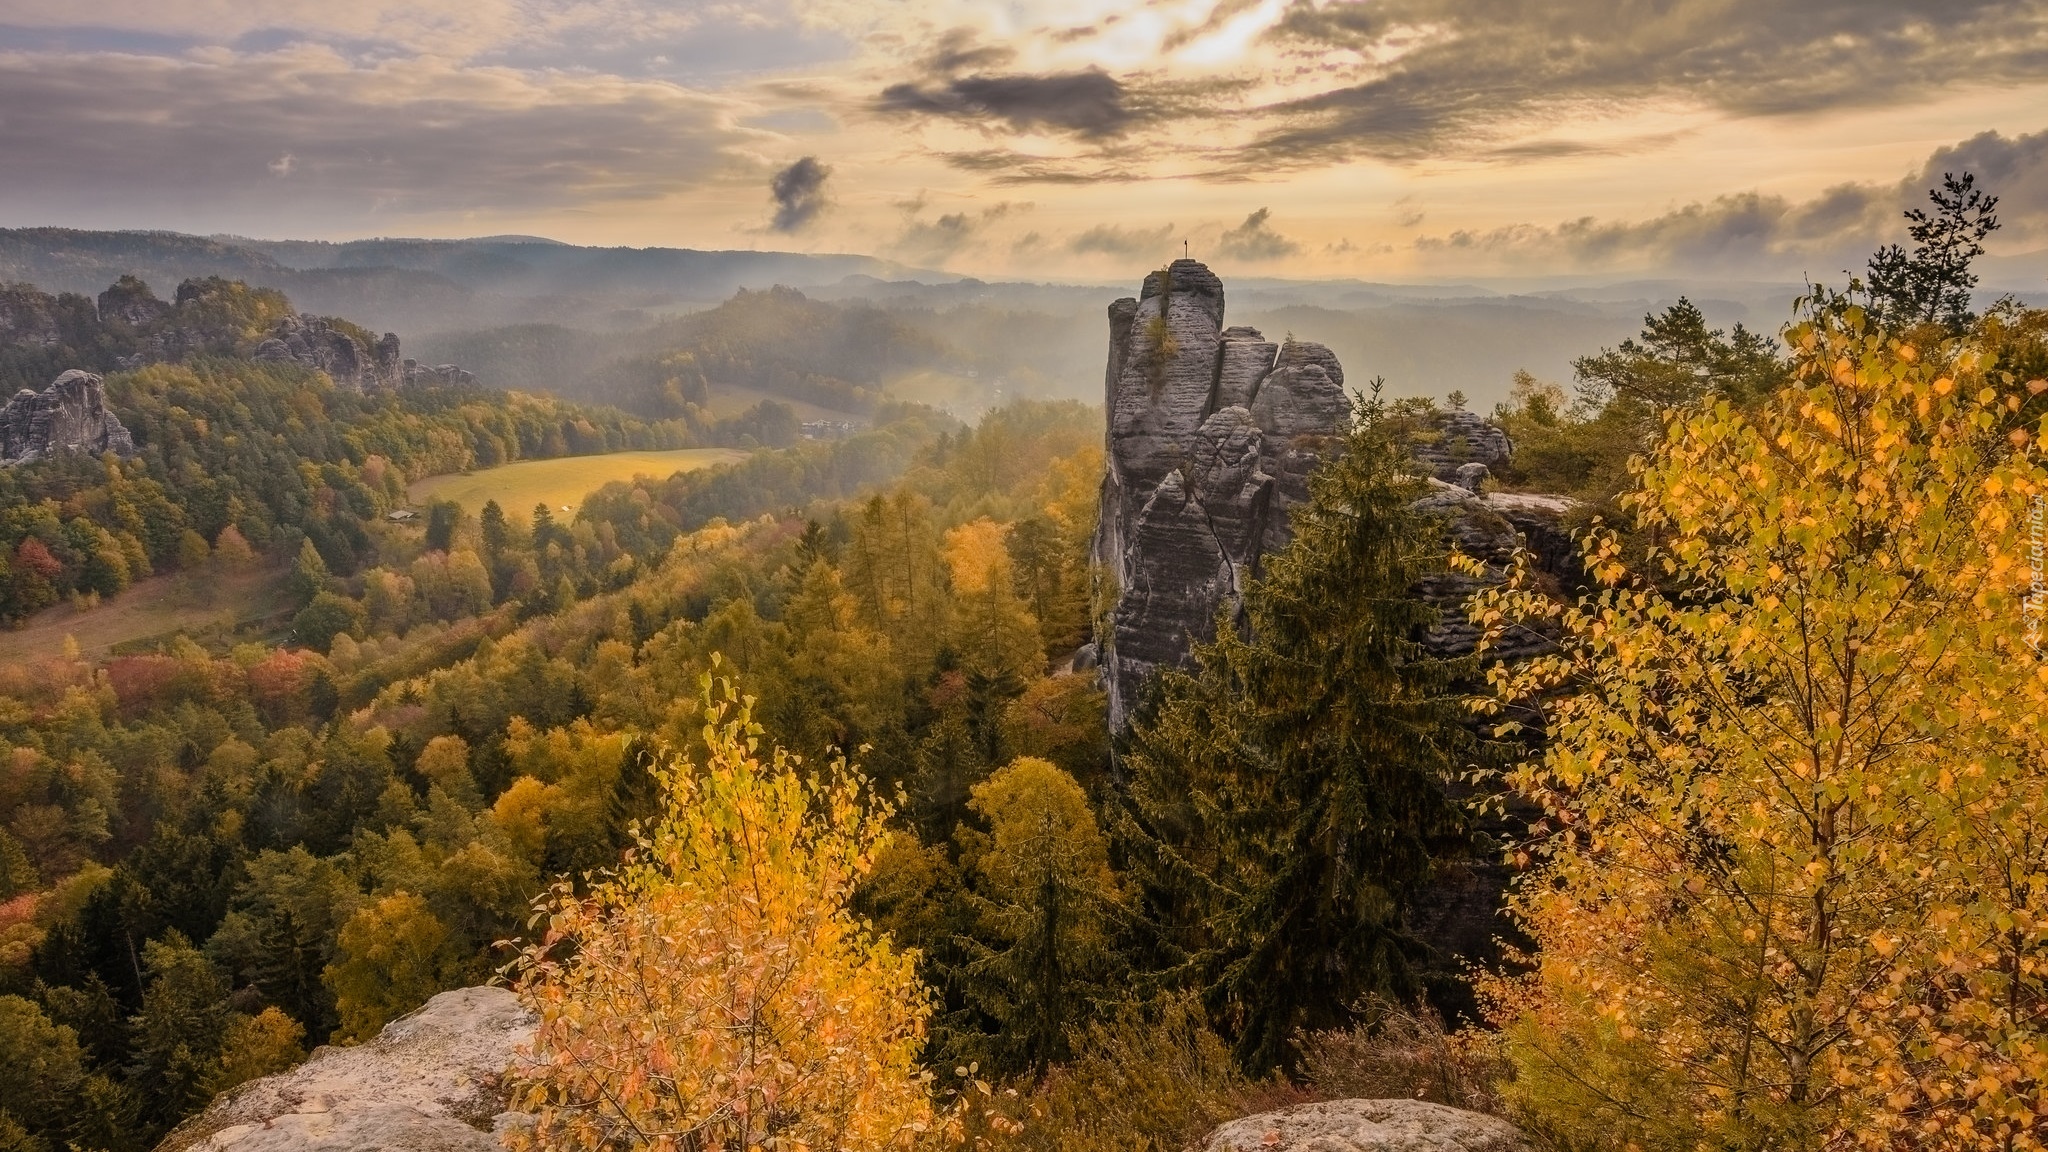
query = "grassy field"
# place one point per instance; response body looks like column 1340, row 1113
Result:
column 560, row 483
column 731, row 400
column 153, row 609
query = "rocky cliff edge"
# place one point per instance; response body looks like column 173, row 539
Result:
column 433, row 1081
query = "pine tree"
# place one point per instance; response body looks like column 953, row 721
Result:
column 1287, row 796
column 1932, row 284
column 309, row 574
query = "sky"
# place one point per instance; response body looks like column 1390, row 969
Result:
column 1041, row 139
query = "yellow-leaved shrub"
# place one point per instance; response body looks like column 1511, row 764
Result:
column 713, row 991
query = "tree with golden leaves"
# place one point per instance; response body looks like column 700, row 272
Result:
column 713, row 992
column 1790, row 885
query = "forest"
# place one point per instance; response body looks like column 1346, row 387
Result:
column 815, row 736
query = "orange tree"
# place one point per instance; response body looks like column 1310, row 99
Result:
column 713, row 991
column 1790, row 884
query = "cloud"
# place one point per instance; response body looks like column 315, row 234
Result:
column 1255, row 239
column 937, row 240
column 1089, row 104
column 799, row 192
column 1442, row 77
column 1111, row 240
column 2014, row 168
column 200, row 140
column 1755, row 234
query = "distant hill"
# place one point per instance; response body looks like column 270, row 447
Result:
column 416, row 286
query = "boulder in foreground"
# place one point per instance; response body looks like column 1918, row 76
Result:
column 430, row 1082
column 1368, row 1126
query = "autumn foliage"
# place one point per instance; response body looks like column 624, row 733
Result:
column 713, row 991
column 1790, row 881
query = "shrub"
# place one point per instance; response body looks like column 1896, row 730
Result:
column 714, row 991
column 1395, row 1050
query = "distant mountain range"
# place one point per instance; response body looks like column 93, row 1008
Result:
column 529, row 312
column 417, row 286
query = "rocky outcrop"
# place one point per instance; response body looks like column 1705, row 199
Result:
column 28, row 317
column 128, row 302
column 129, row 326
column 416, row 374
column 346, row 353
column 1212, row 434
column 70, row 415
column 433, row 1081
column 1368, row 1126
column 1459, row 440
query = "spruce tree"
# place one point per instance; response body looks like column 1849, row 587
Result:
column 1286, row 796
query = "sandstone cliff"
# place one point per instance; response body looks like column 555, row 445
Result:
column 346, row 353
column 433, row 1081
column 130, row 326
column 70, row 415
column 1212, row 434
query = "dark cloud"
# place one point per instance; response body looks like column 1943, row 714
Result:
column 1463, row 70
column 242, row 142
column 799, row 192
column 2013, row 168
column 1110, row 240
column 1087, row 104
column 1255, row 239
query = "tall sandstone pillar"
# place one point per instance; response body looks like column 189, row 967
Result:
column 1212, row 434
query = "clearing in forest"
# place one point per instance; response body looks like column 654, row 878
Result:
column 560, row 482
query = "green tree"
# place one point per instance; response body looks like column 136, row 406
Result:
column 1931, row 285
column 1677, row 362
column 326, row 616
column 1048, row 900
column 444, row 517
column 180, row 1031
column 309, row 574
column 1287, row 795
column 41, row 1069
column 193, row 550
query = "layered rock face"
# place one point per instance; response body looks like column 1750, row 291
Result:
column 28, row 317
column 349, row 359
column 1212, row 434
column 433, row 1081
column 70, row 415
column 444, row 375
column 209, row 317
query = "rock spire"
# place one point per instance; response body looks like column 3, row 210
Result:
column 1212, row 434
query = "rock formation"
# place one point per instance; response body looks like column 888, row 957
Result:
column 1368, row 1126
column 343, row 351
column 130, row 326
column 430, row 1082
column 69, row 416
column 28, row 317
column 416, row 374
column 1459, row 442
column 1212, row 434
column 128, row 301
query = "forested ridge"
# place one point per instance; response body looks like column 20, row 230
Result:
column 814, row 737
